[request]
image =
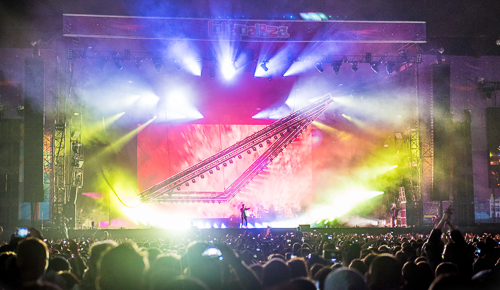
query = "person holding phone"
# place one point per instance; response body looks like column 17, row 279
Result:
column 243, row 211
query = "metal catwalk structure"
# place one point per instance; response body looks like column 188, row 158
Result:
column 276, row 136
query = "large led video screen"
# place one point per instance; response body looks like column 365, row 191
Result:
column 284, row 189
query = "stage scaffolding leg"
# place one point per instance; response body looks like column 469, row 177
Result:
column 59, row 150
column 412, row 178
column 68, row 154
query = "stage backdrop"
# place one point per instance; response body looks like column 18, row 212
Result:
column 283, row 190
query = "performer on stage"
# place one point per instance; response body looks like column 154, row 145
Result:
column 394, row 211
column 243, row 211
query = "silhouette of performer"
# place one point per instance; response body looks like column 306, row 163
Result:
column 394, row 211
column 243, row 211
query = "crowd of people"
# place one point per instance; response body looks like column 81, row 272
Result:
column 441, row 259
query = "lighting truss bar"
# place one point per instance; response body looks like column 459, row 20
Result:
column 127, row 55
column 280, row 133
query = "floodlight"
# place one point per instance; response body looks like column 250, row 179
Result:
column 264, row 66
column 319, row 67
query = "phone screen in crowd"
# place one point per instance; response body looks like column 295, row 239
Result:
column 22, row 232
column 212, row 252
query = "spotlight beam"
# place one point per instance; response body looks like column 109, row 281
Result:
column 118, row 144
column 99, row 126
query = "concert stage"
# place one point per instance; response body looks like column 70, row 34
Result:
column 210, row 233
column 195, row 117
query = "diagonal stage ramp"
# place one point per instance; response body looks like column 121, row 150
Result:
column 277, row 136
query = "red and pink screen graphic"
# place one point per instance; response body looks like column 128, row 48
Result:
column 285, row 187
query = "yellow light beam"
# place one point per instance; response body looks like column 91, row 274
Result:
column 372, row 172
column 342, row 203
column 96, row 127
column 342, row 135
column 118, row 144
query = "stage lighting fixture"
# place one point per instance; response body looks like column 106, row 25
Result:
column 374, row 66
column 355, row 66
column 178, row 188
column 211, row 72
column 390, row 67
column 186, row 184
column 101, row 63
column 36, row 49
column 202, row 176
column 177, row 64
column 158, row 63
column 138, row 63
column 368, row 57
column 224, row 164
column 276, row 137
column 230, row 161
column 76, row 147
column 193, row 180
column 239, row 157
column 217, row 167
column 268, row 141
column 264, row 66
column 319, row 67
column 336, row 66
column 20, row 110
column 282, row 134
column 269, row 78
column 260, row 145
column 249, row 152
column 127, row 54
column 211, row 171
column 69, row 54
column 118, row 64
column 419, row 58
column 254, row 149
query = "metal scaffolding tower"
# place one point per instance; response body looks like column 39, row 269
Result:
column 68, row 154
column 59, row 149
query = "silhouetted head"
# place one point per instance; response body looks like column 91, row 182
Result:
column 32, row 259
column 384, row 273
column 275, row 272
column 345, row 279
column 122, row 268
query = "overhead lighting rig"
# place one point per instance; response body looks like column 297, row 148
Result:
column 392, row 61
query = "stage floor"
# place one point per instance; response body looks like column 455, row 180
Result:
column 157, row 233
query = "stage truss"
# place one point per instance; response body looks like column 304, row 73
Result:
column 277, row 136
